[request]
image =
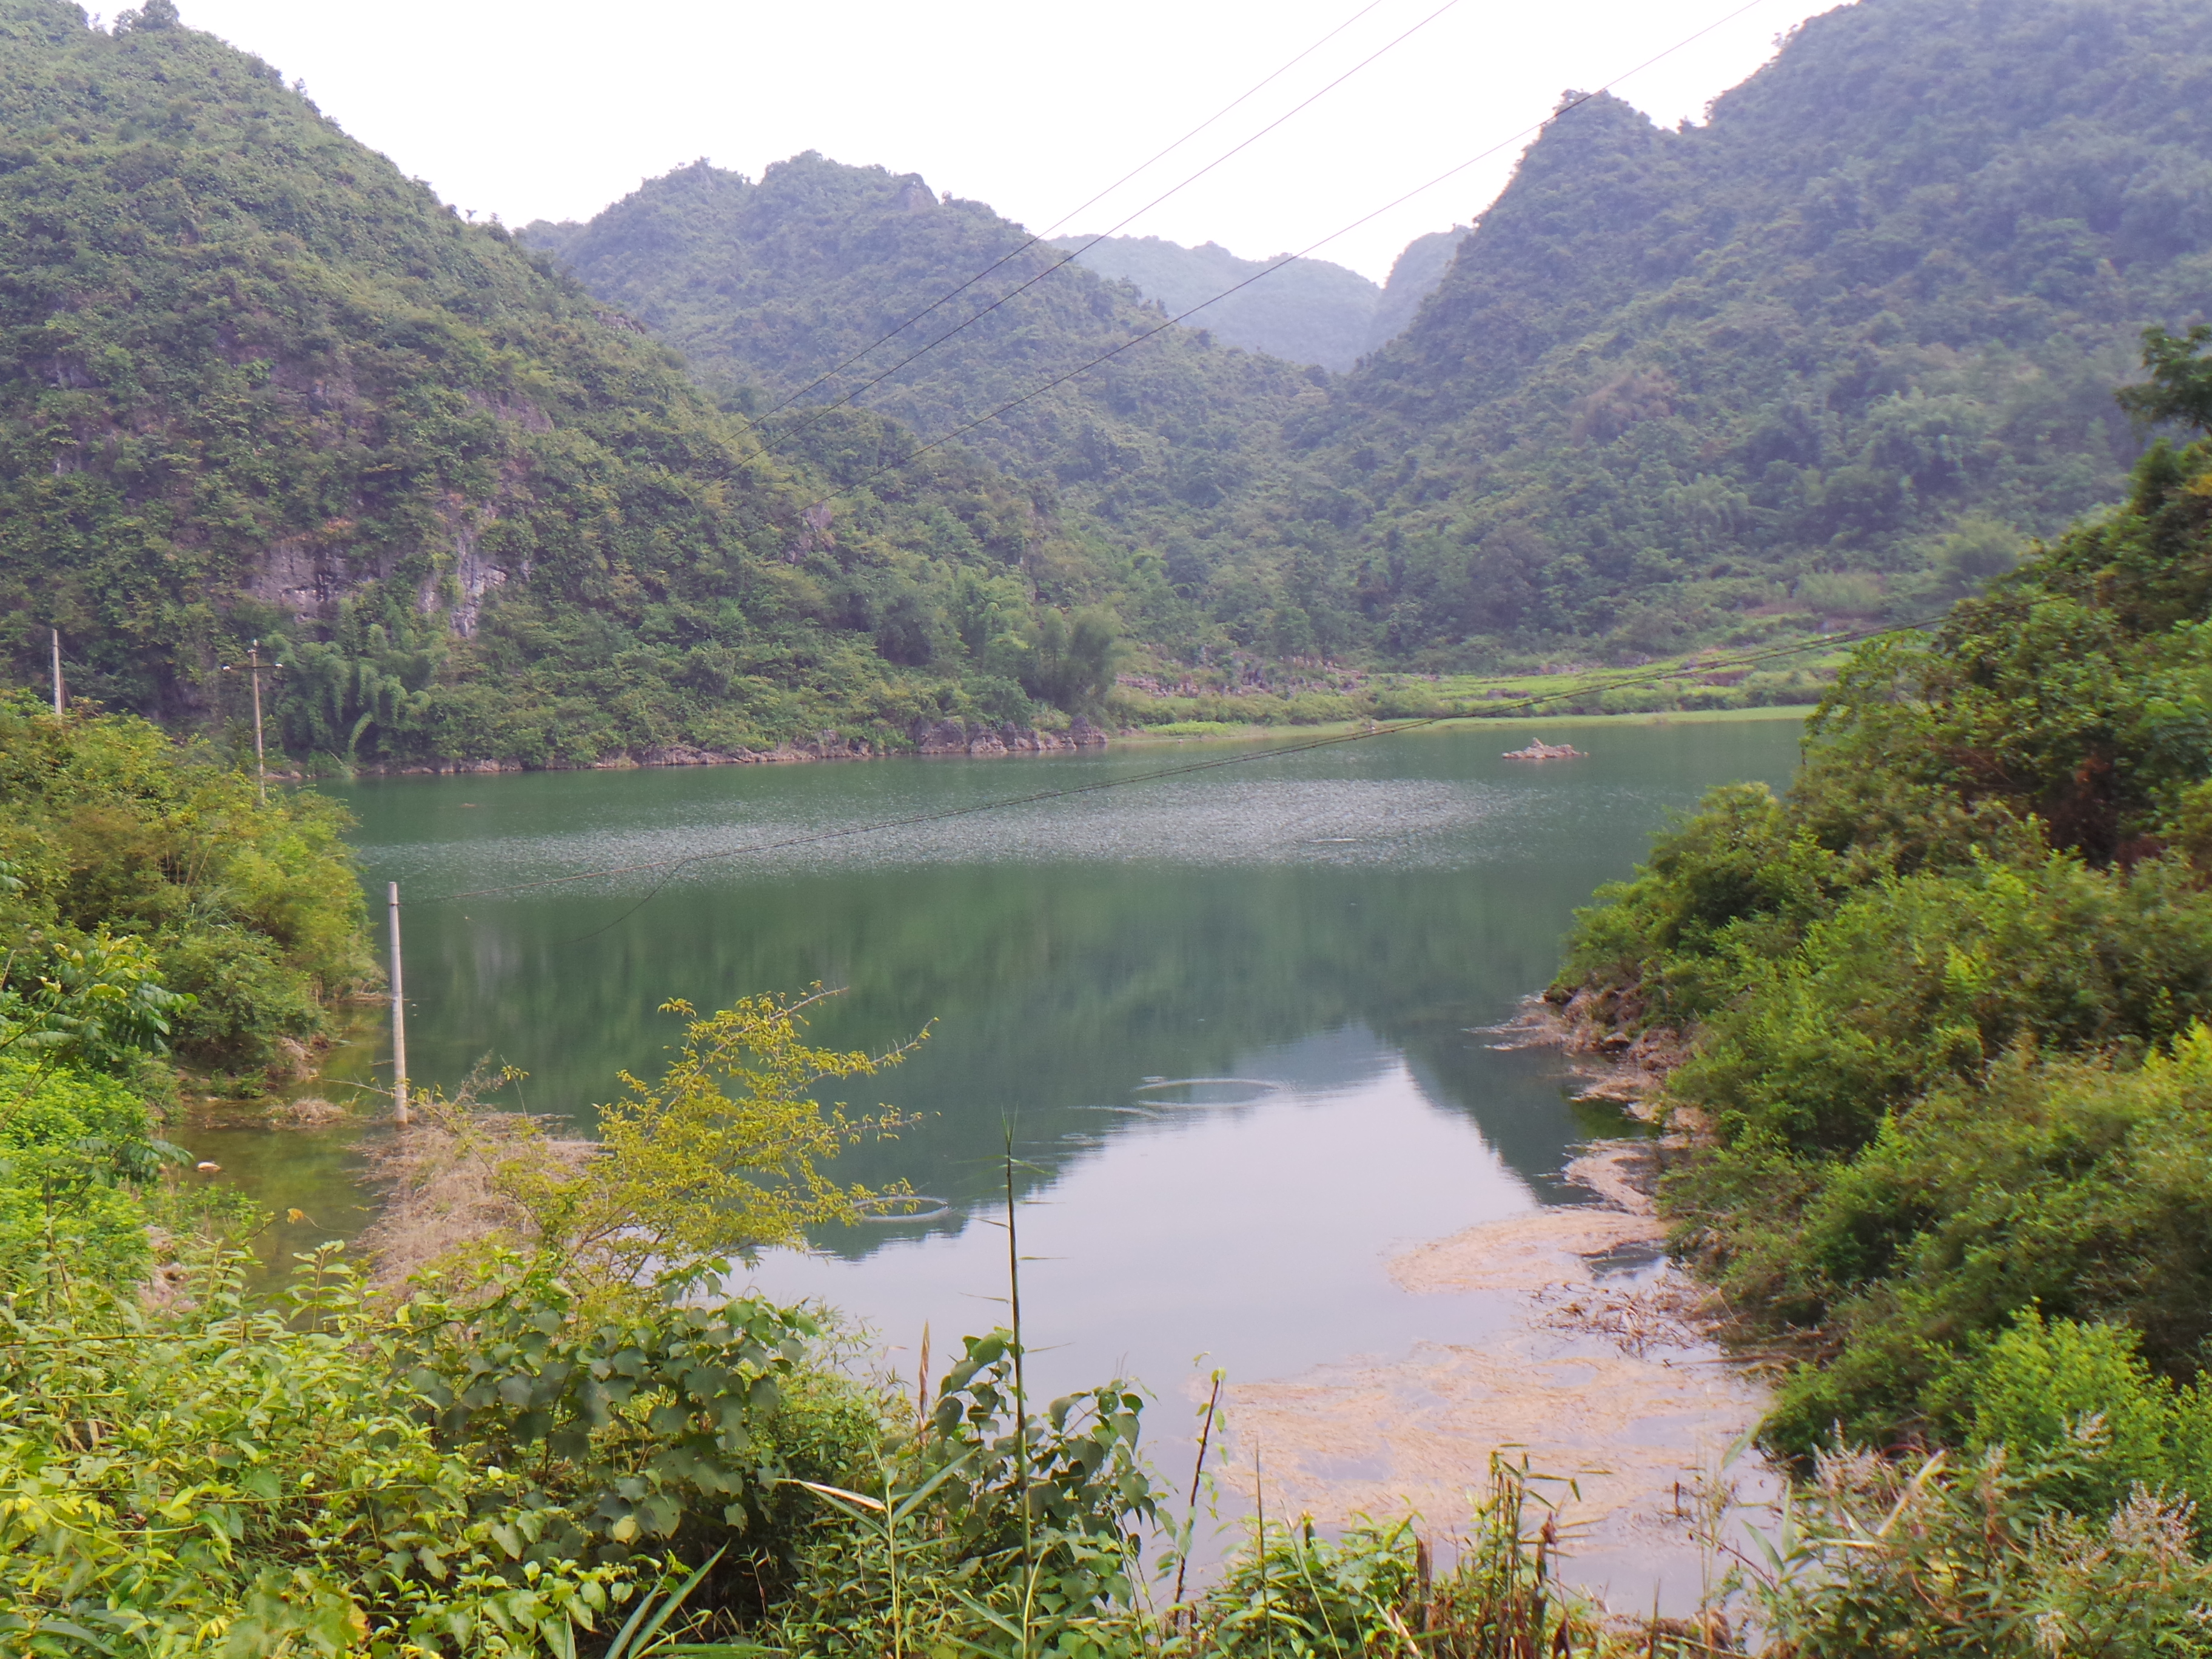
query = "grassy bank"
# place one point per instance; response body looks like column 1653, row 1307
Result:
column 1794, row 674
column 1224, row 731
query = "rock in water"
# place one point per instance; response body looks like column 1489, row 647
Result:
column 1547, row 752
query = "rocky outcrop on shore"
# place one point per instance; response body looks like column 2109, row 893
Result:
column 1613, row 1064
column 984, row 737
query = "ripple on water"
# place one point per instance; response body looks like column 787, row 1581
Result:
column 1405, row 822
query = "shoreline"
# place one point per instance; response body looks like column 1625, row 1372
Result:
column 1797, row 711
column 992, row 742
column 1601, row 1372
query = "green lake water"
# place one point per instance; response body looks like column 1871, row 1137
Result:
column 1327, row 926
column 1327, row 932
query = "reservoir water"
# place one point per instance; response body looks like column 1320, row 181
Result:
column 1230, row 1019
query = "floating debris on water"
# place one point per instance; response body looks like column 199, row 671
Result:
column 1612, row 1384
column 884, row 1209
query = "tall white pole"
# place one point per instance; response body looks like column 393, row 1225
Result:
column 261, row 765
column 399, row 1017
column 57, row 633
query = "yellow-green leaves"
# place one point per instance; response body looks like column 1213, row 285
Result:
column 720, row 1156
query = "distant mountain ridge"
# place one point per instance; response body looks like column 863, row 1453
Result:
column 1309, row 311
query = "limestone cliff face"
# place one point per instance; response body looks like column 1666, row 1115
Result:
column 256, row 384
column 251, row 375
column 985, row 737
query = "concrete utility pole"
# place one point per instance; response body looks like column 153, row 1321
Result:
column 57, row 633
column 399, row 1114
column 260, row 764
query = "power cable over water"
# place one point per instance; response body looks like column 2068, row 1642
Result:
column 668, row 868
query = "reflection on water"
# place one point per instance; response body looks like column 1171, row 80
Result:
column 1255, row 1228
column 1224, row 1017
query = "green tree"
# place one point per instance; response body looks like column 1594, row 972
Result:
column 2180, row 387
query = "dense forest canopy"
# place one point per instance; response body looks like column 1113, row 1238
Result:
column 1836, row 355
column 1845, row 345
column 256, row 384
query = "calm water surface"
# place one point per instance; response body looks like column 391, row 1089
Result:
column 1317, row 935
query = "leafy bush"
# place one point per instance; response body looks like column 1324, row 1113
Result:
column 2054, row 1388
column 1923, row 979
column 72, row 1144
column 1945, row 1002
column 721, row 1157
column 253, row 1474
column 2074, row 1189
column 648, row 1421
column 115, row 838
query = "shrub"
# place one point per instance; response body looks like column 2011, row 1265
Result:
column 1916, row 1556
column 71, row 1144
column 110, row 830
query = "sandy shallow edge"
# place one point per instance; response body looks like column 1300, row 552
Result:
column 1598, row 1374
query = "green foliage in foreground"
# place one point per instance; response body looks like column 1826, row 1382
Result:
column 133, row 862
column 1946, row 1004
column 251, row 1476
column 540, row 1451
column 247, row 1477
column 73, row 1144
column 1975, row 1560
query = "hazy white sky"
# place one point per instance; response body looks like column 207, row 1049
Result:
column 551, row 109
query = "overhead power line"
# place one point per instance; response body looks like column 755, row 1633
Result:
column 1288, row 258
column 1153, row 159
column 823, row 411
column 669, row 866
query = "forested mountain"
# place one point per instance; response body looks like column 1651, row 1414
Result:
column 255, row 382
column 775, row 290
column 1309, row 312
column 1840, row 349
column 1837, row 353
column 1415, row 275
